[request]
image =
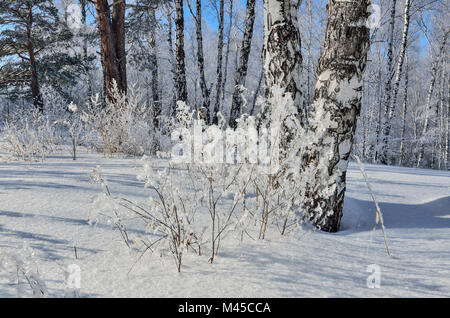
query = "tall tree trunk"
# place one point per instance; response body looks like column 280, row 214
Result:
column 337, row 104
column 113, row 43
column 404, row 109
column 308, row 48
column 282, row 56
column 156, row 104
column 83, row 4
column 34, row 84
column 118, row 28
column 219, row 71
column 168, row 10
column 434, row 70
column 376, row 153
column 180, row 55
column 447, row 128
column 440, row 111
column 236, row 107
column 401, row 60
column 388, row 85
column 200, row 58
column 227, row 51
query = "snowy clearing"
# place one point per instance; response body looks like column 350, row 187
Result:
column 47, row 204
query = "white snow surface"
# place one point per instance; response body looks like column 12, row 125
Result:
column 47, row 203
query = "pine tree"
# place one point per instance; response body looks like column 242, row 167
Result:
column 33, row 37
column 112, row 33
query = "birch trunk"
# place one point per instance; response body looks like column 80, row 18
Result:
column 337, row 105
column 434, row 70
column 404, row 109
column 227, row 52
column 439, row 114
column 168, row 11
column 83, row 4
column 282, row 56
column 401, row 60
column 34, row 83
column 219, row 71
column 236, row 107
column 200, row 58
column 156, row 104
column 388, row 86
column 180, row 54
column 447, row 128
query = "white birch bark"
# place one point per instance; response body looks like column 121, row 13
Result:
column 337, row 105
column 236, row 107
column 429, row 96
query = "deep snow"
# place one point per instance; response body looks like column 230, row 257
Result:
column 47, row 205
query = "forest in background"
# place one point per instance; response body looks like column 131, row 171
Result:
column 404, row 117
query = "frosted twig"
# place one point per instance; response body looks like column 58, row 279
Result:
column 378, row 215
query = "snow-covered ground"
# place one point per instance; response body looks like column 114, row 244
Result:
column 46, row 204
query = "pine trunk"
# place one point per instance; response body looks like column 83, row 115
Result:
column 118, row 28
column 113, row 44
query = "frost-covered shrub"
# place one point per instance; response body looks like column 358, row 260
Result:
column 30, row 136
column 169, row 216
column 120, row 125
column 212, row 189
column 22, row 270
column 72, row 127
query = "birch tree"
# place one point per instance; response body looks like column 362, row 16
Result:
column 404, row 110
column 337, row 104
column 401, row 59
column 227, row 49
column 236, row 107
column 219, row 71
column 156, row 103
column 168, row 10
column 181, row 87
column 388, row 85
column 282, row 56
column 434, row 72
column 200, row 57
